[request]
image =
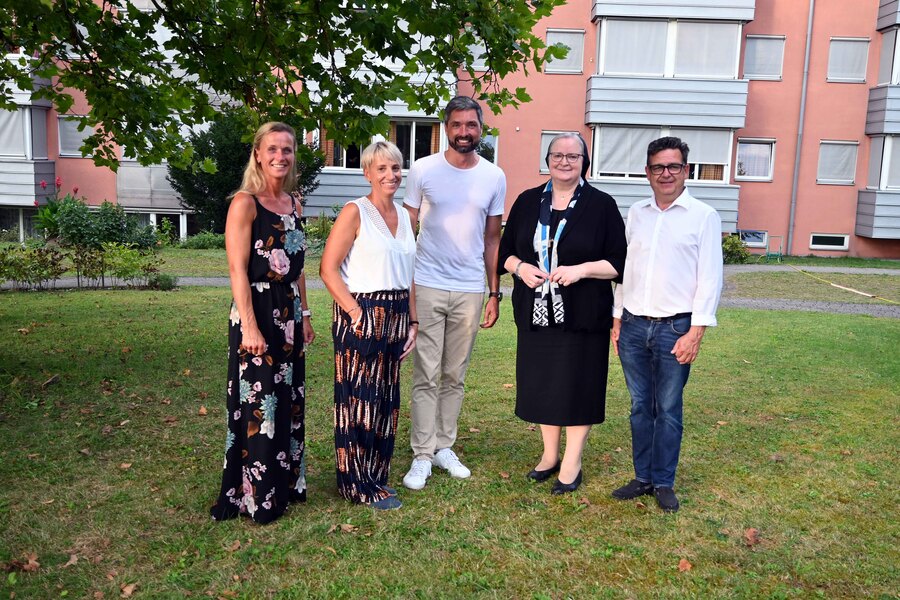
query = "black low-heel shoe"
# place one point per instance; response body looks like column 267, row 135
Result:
column 565, row 488
column 539, row 476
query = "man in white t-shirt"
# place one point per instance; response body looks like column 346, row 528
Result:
column 457, row 197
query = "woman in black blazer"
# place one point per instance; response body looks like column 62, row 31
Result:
column 564, row 242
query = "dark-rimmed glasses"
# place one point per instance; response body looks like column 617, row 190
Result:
column 558, row 156
column 673, row 168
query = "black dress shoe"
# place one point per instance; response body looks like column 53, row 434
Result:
column 565, row 488
column 633, row 489
column 666, row 499
column 536, row 475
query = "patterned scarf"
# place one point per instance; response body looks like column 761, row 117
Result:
column 547, row 294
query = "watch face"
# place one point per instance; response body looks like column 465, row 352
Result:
column 497, row 295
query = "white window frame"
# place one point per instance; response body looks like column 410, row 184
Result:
column 831, row 79
column 558, row 70
column 768, row 141
column 496, row 140
column 825, row 181
column 479, row 52
column 544, row 167
column 665, row 131
column 85, row 133
column 755, row 232
column 886, row 52
column 758, row 77
column 595, row 159
column 845, row 247
column 671, row 47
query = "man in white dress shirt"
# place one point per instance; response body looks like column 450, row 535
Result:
column 669, row 295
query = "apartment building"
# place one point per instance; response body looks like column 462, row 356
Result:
column 791, row 109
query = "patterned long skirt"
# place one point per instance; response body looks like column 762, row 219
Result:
column 367, row 391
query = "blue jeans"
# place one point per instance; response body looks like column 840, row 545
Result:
column 655, row 381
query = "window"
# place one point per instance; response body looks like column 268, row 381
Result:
column 622, row 151
column 847, row 59
column 480, row 54
column 12, row 133
column 574, row 40
column 487, row 149
column 763, row 57
column 886, row 66
column 753, row 238
column 546, row 138
column 754, row 160
column 415, row 139
column 829, row 241
column 837, row 163
column 38, row 132
column 70, row 139
column 669, row 48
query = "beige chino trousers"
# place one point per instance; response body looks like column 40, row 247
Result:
column 448, row 324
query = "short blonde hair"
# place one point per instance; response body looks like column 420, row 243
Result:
column 380, row 149
column 254, row 182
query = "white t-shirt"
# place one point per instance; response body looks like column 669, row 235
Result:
column 377, row 260
column 453, row 207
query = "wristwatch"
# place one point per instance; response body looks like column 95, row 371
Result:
column 498, row 295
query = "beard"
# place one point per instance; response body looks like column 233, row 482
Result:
column 473, row 143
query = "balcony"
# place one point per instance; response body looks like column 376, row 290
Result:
column 721, row 10
column 878, row 214
column 883, row 115
column 888, row 14
column 146, row 187
column 678, row 102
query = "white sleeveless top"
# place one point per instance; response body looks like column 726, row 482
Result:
column 377, row 260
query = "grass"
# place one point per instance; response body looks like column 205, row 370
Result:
column 791, row 428
column 211, row 263
column 838, row 262
column 799, row 286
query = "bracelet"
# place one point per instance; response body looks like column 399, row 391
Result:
column 413, row 322
column 306, row 313
column 518, row 266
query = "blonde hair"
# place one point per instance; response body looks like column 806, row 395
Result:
column 380, row 149
column 254, row 182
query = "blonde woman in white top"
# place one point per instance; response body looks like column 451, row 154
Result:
column 367, row 267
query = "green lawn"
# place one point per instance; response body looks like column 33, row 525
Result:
column 791, row 429
column 814, row 286
column 210, row 263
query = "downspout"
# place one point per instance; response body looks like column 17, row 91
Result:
column 795, row 183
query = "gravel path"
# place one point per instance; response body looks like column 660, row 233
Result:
column 875, row 310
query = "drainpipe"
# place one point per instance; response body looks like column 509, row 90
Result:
column 790, row 233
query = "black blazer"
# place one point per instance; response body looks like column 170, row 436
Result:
column 594, row 231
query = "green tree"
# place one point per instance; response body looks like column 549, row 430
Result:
column 334, row 63
column 206, row 192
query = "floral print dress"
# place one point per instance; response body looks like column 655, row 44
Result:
column 264, row 466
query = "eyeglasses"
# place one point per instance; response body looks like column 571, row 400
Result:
column 558, row 156
column 674, row 168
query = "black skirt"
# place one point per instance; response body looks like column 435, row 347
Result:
column 561, row 376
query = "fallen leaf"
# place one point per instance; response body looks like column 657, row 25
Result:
column 125, row 466
column 452, row 510
column 235, row 577
column 112, row 575
column 509, row 385
column 24, row 330
column 348, row 528
column 331, row 529
column 126, row 349
column 721, row 423
column 747, row 361
column 332, row 550
column 202, row 411
column 186, row 372
column 171, row 420
column 584, row 501
column 127, row 589
column 51, row 381
column 235, row 546
column 203, row 395
column 98, row 596
column 684, row 565
column 85, row 451
column 531, row 428
column 619, row 449
column 504, row 474
column 751, row 536
column 640, row 504
column 166, row 401
column 31, row 563
column 107, row 429
column 33, row 456
column 846, row 452
column 777, row 457
column 73, row 558
column 125, row 422
column 50, row 501
column 474, row 430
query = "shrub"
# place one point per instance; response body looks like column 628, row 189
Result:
column 734, row 251
column 162, row 281
column 47, row 219
column 31, row 267
column 205, row 240
column 10, row 235
column 82, row 228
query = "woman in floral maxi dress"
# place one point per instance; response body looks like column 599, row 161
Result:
column 264, row 468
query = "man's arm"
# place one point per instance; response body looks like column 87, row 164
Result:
column 491, row 249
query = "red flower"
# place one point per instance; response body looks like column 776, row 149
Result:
column 75, row 190
column 58, row 182
column 43, row 184
column 36, row 203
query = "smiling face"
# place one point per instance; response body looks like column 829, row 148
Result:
column 666, row 186
column 275, row 154
column 565, row 171
column 464, row 130
column 384, row 175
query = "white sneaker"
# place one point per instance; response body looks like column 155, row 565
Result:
column 447, row 459
column 418, row 474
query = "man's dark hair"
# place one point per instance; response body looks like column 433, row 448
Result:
column 462, row 103
column 668, row 143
